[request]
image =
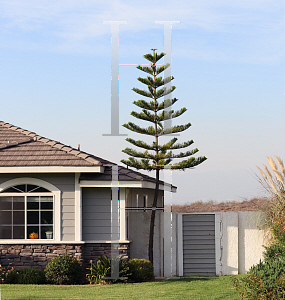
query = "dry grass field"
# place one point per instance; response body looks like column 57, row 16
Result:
column 254, row 204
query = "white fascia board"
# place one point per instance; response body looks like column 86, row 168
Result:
column 52, row 169
column 124, row 184
column 108, row 183
column 166, row 186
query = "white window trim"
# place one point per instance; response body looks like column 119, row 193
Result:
column 57, row 204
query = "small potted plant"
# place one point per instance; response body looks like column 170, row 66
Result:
column 49, row 230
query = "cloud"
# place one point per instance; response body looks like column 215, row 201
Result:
column 77, row 25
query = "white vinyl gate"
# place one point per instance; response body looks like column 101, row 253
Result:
column 199, row 257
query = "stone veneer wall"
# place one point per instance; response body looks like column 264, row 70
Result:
column 37, row 256
column 93, row 251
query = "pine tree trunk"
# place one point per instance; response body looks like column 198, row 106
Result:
column 152, row 220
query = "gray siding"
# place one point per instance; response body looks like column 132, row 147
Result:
column 132, row 197
column 96, row 208
column 65, row 183
column 199, row 245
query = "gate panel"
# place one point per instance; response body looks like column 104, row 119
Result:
column 199, row 245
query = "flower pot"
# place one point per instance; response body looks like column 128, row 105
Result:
column 49, row 235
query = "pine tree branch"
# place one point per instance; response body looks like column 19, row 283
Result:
column 159, row 56
column 184, row 154
column 143, row 164
column 149, row 57
column 145, row 81
column 162, row 68
column 142, row 144
column 151, row 90
column 189, row 163
column 133, row 127
column 142, row 92
column 144, row 104
column 142, row 116
column 157, row 83
column 166, row 103
column 135, row 153
column 145, row 69
column 174, row 129
column 179, row 146
column 166, row 115
column 164, row 91
column 164, row 162
column 168, row 145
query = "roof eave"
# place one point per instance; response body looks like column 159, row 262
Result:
column 127, row 184
column 52, row 169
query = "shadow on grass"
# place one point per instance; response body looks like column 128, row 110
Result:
column 190, row 279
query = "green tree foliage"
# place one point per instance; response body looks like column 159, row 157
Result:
column 156, row 156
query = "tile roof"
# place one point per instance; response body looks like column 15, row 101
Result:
column 19, row 147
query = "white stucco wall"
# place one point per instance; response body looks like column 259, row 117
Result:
column 170, row 242
column 229, row 242
column 251, row 239
column 243, row 238
column 139, row 223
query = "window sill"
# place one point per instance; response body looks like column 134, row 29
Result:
column 48, row 242
column 37, row 242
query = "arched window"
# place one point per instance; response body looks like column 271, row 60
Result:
column 26, row 212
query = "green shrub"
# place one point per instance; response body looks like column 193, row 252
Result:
column 25, row 276
column 141, row 270
column 273, row 251
column 63, row 269
column 269, row 271
column 102, row 268
column 252, row 287
column 10, row 276
column 264, row 280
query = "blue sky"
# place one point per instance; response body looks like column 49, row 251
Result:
column 227, row 60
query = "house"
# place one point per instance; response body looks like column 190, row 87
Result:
column 55, row 198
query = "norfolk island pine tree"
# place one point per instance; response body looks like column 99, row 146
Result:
column 155, row 156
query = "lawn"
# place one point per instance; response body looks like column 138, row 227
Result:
column 184, row 288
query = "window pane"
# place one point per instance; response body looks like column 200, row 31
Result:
column 5, row 232
column 32, row 229
column 46, row 217
column 32, row 217
column 20, row 188
column 19, row 203
column 42, row 190
column 19, row 217
column 31, row 187
column 5, row 203
column 9, row 190
column 46, row 202
column 46, row 232
column 33, row 202
column 18, row 232
column 5, row 218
